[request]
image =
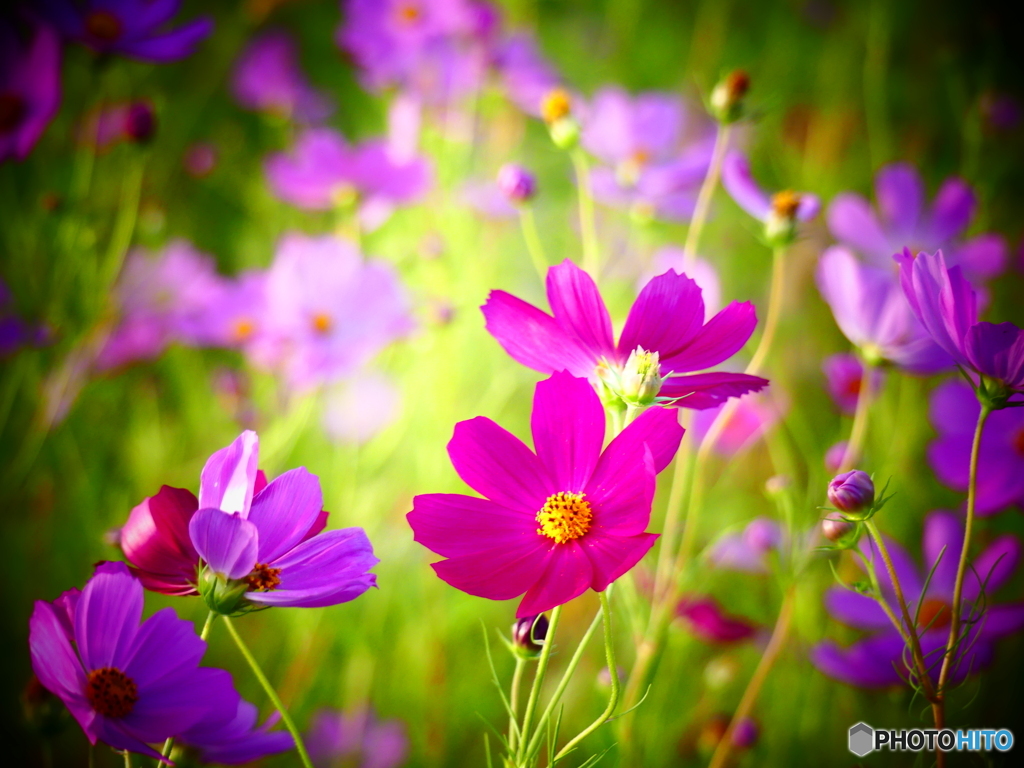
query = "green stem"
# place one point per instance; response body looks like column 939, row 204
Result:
column 771, row 322
column 588, row 230
column 613, row 673
column 855, row 445
column 707, row 191
column 533, row 245
column 285, row 717
column 538, row 681
column 127, row 759
column 513, row 704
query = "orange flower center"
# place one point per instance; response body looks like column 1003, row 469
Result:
column 12, row 111
column 785, row 203
column 1018, row 442
column 104, row 26
column 934, row 614
column 243, row 328
column 322, row 323
column 111, row 692
column 263, row 578
column 557, row 104
column 408, row 13
column 564, row 517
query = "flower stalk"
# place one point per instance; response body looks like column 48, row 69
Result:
column 588, row 227
column 528, row 222
column 707, row 191
column 538, row 681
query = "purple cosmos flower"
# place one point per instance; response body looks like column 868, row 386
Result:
column 872, row 312
column 554, row 523
column 880, row 659
column 267, row 78
column 129, row 27
column 947, row 306
column 234, row 316
column 901, row 222
column 328, row 311
column 128, row 685
column 161, row 298
column 852, row 491
column 702, row 272
column 526, row 76
column 322, row 171
column 359, row 739
column 749, row 549
column 269, row 536
column 844, row 374
column 29, row 87
column 516, row 183
column 667, row 318
column 358, row 409
column 705, row 618
column 750, row 419
column 233, row 738
column 779, row 212
column 954, row 414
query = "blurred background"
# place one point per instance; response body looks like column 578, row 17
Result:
column 838, row 90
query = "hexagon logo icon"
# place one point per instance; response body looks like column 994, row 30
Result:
column 862, row 739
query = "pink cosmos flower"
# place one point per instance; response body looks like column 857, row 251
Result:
column 749, row 421
column 267, row 78
column 555, row 522
column 844, row 374
column 667, row 318
column 705, row 618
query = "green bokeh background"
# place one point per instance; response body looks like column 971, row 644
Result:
column 839, row 89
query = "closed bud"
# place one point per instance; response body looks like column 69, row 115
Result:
column 836, row 528
column 641, row 378
column 528, row 635
column 221, row 595
column 745, row 734
column 852, row 492
column 516, row 183
column 727, row 97
column 780, row 226
column 140, row 122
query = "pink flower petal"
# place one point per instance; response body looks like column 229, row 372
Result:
column 612, row 556
column 453, row 525
column 665, row 318
column 567, row 574
column 500, row 573
column 722, row 337
column 709, row 390
column 579, row 309
column 284, row 512
column 568, row 429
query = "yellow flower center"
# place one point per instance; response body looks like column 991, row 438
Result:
column 242, row 329
column 322, row 322
column 785, row 203
column 263, row 578
column 111, row 692
column 564, row 517
column 556, row 105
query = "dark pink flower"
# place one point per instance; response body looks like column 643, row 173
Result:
column 705, row 618
column 667, row 318
column 844, row 374
column 555, row 522
column 29, row 87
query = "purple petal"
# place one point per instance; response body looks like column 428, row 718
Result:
column 984, row 256
column 500, row 573
column 709, row 390
column 906, row 570
column 567, row 574
column 579, row 309
column 1002, row 620
column 284, row 512
column 228, row 543
column 723, row 336
column 171, row 46
column 107, row 616
column 172, row 705
column 568, row 429
column 657, row 428
column 453, row 525
column 56, row 664
column 997, row 351
column 739, row 183
column 496, row 464
column 229, row 476
column 952, row 209
column 900, row 196
column 942, row 529
column 116, row 734
column 867, row 664
column 855, row 610
column 164, row 648
column 808, row 206
column 852, row 222
column 665, row 317
column 612, row 556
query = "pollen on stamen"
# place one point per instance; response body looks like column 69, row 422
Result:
column 263, row 578
column 564, row 517
column 111, row 692
column 786, row 203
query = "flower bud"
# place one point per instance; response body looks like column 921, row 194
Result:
column 745, row 734
column 221, row 595
column 140, row 122
column 528, row 635
column 641, row 378
column 835, row 527
column 556, row 109
column 516, row 183
column 852, row 492
column 780, row 226
column 727, row 97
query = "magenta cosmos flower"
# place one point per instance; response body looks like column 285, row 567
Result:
column 269, row 536
column 135, row 28
column 778, row 212
column 554, row 523
column 127, row 684
column 29, row 87
column 901, row 221
column 360, row 739
column 323, row 171
column 880, row 659
column 844, row 376
column 267, row 78
column 667, row 318
column 748, row 421
column 705, row 619
column 947, row 306
column 954, row 414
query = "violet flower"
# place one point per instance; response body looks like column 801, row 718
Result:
column 954, row 414
column 267, row 78
column 947, row 306
column 844, row 376
column 555, row 522
column 525, row 75
column 901, row 221
column 852, row 492
column 233, row 738
column 516, row 183
column 779, row 212
column 359, row 739
column 748, row 421
column 127, row 684
column 748, row 550
column 322, row 172
column 705, row 618
column 667, row 318
column 234, row 316
column 872, row 312
column 29, row 87
column 328, row 311
column 880, row 659
column 135, row 28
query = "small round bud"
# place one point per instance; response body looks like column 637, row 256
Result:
column 140, row 122
column 727, row 97
column 745, row 734
column 528, row 635
column 835, row 528
column 221, row 595
column 852, row 492
column 516, row 183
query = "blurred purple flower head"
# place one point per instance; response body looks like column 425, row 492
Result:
column 29, row 86
column 360, row 407
column 1001, row 110
column 749, row 420
column 161, row 298
column 901, row 221
column 322, row 171
column 954, row 413
column 844, row 375
column 880, row 659
column 746, row 733
column 516, row 183
column 127, row 684
column 328, row 311
column 835, row 454
column 872, row 312
column 525, row 74
column 705, row 618
column 234, row 314
column 233, row 738
column 779, row 212
column 749, row 549
column 947, row 306
column 267, row 78
column 852, row 492
column 135, row 28
column 200, row 159
column 700, row 271
column 359, row 739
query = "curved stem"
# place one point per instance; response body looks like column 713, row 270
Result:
column 771, row 322
column 588, row 230
column 533, row 245
column 771, row 653
column 860, row 420
column 707, row 191
column 538, row 681
column 513, row 704
column 613, row 673
column 285, row 717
